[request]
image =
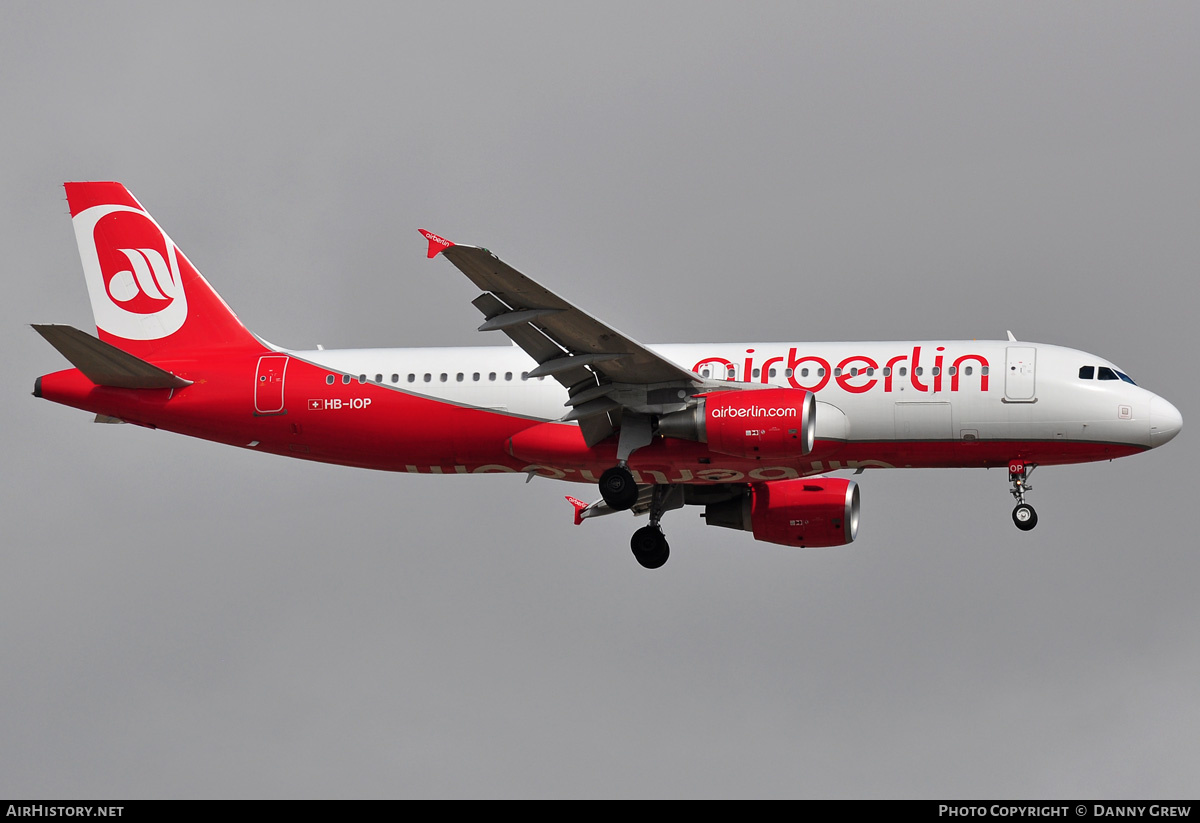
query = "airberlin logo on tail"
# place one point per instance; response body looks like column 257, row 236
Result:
column 132, row 272
column 149, row 276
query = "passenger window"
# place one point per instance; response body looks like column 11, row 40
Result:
column 395, row 378
column 704, row 373
column 983, row 369
column 491, row 375
column 459, row 377
column 887, row 371
column 820, row 372
column 771, row 373
column 920, row 370
column 345, row 380
column 379, row 378
column 329, row 380
column 953, row 370
column 757, row 372
column 788, row 372
column 524, row 375
column 443, row 377
column 837, row 372
column 967, row 370
column 1087, row 372
column 428, row 377
column 1108, row 374
column 412, row 378
column 508, row 375
column 804, row 372
column 937, row 370
column 362, row 378
column 475, row 377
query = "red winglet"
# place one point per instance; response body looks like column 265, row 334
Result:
column 579, row 507
column 436, row 244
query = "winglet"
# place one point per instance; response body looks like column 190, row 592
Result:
column 579, row 507
column 436, row 244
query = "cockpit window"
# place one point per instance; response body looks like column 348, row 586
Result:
column 1087, row 372
column 1126, row 378
column 1108, row 374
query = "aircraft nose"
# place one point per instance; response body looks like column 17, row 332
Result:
column 1165, row 421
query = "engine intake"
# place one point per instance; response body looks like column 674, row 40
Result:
column 760, row 423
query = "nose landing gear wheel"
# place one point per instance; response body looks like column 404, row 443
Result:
column 650, row 547
column 618, row 488
column 1025, row 517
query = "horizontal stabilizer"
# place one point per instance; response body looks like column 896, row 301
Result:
column 105, row 364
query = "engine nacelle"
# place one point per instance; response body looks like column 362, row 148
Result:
column 811, row 513
column 758, row 423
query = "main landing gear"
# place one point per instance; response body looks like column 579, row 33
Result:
column 650, row 547
column 1023, row 515
column 620, row 492
column 649, row 544
column 618, row 488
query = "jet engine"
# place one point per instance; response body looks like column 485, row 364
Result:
column 811, row 513
column 760, row 423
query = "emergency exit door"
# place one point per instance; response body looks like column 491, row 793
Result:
column 1019, row 382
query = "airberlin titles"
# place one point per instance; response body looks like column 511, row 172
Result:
column 859, row 373
column 757, row 411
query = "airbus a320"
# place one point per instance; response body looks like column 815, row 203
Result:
column 750, row 432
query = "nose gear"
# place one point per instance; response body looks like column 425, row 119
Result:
column 1023, row 515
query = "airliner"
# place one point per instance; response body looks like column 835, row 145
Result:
column 750, row 432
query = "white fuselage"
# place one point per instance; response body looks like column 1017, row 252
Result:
column 868, row 391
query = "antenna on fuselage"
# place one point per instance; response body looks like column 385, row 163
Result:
column 1011, row 339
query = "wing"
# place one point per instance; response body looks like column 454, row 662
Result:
column 607, row 374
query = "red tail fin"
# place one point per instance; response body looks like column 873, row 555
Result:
column 147, row 298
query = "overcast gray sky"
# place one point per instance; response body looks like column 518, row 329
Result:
column 180, row 619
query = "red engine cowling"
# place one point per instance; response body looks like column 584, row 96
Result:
column 761, row 423
column 811, row 513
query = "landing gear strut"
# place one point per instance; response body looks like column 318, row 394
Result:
column 649, row 544
column 1023, row 515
